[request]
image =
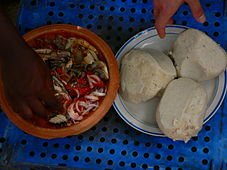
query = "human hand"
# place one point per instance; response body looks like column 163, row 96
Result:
column 27, row 84
column 165, row 9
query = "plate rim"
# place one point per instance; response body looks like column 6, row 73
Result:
column 212, row 113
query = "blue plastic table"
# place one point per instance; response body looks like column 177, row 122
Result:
column 112, row 144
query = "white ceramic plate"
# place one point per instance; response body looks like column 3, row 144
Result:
column 142, row 116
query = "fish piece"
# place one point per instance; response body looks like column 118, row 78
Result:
column 43, row 50
column 93, row 54
column 85, row 44
column 60, row 42
column 69, row 64
column 58, row 119
column 60, row 54
column 69, row 43
column 103, row 67
column 72, row 44
column 91, row 57
column 58, row 86
column 91, row 67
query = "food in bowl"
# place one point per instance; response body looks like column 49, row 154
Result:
column 144, row 73
column 197, row 56
column 80, row 77
column 181, row 110
column 183, row 105
column 40, row 126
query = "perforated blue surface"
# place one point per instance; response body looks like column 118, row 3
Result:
column 112, row 144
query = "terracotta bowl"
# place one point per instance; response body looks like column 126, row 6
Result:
column 41, row 128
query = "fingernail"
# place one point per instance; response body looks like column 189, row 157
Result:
column 202, row 19
column 162, row 36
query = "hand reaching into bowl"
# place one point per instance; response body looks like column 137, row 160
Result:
column 165, row 9
column 25, row 77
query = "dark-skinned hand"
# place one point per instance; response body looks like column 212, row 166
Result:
column 28, row 85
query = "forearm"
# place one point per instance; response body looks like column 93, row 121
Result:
column 11, row 43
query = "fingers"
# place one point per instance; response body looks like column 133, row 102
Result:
column 12, row 102
column 156, row 13
column 37, row 107
column 24, row 110
column 51, row 102
column 197, row 10
column 156, row 8
column 33, row 106
column 163, row 11
column 162, row 21
column 160, row 28
column 19, row 106
column 158, row 24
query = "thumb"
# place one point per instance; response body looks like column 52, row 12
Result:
column 197, row 10
column 49, row 99
column 51, row 102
